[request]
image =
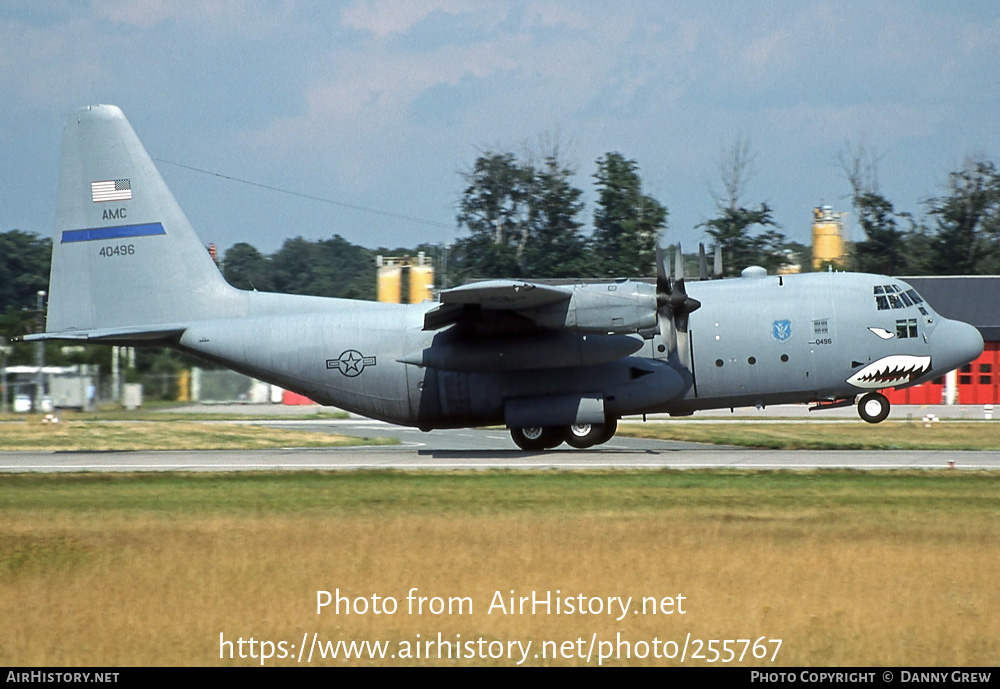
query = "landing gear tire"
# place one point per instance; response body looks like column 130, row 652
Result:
column 873, row 407
column 587, row 435
column 536, row 438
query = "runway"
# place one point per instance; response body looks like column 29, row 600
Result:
column 484, row 449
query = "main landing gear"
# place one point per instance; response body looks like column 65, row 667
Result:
column 579, row 436
column 873, row 407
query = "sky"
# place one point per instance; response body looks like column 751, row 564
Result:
column 369, row 112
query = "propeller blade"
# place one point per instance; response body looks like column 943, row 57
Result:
column 663, row 289
column 717, row 261
column 672, row 300
column 702, row 262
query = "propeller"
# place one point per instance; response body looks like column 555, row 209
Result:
column 672, row 300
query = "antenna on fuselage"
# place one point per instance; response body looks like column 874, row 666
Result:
column 703, row 262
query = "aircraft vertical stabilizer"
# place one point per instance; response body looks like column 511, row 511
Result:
column 124, row 256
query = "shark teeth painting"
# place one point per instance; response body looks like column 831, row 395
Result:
column 891, row 370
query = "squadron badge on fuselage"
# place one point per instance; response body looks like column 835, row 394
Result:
column 781, row 330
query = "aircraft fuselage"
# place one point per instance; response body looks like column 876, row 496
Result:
column 754, row 341
column 554, row 363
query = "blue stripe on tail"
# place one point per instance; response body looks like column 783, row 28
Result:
column 118, row 232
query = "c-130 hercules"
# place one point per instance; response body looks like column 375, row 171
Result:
column 554, row 363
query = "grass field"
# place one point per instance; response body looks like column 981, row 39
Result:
column 145, row 433
column 855, row 435
column 846, row 568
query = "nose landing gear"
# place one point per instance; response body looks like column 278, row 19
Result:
column 873, row 407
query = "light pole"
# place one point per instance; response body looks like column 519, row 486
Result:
column 39, row 353
column 5, row 350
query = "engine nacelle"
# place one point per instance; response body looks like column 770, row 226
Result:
column 619, row 307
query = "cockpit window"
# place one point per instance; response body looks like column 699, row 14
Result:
column 894, row 297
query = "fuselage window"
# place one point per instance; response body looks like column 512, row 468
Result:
column 906, row 328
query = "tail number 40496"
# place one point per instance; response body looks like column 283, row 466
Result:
column 117, row 250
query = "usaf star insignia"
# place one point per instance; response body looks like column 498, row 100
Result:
column 351, row 363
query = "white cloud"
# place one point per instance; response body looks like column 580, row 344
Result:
column 140, row 13
column 44, row 66
column 396, row 18
column 213, row 17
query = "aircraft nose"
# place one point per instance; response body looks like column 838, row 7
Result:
column 955, row 344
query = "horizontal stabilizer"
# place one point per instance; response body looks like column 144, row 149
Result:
column 125, row 335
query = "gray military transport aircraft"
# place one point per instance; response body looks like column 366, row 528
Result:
column 554, row 363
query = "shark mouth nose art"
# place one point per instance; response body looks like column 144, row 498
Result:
column 891, row 370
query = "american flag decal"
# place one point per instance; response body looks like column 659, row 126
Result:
column 111, row 190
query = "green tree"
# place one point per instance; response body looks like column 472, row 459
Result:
column 495, row 210
column 967, row 222
column 246, row 268
column 293, row 266
column 731, row 230
column 733, row 225
column 329, row 268
column 885, row 246
column 556, row 248
column 522, row 220
column 345, row 270
column 24, row 268
column 627, row 222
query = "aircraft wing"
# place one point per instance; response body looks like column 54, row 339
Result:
column 618, row 307
column 469, row 302
column 506, row 294
column 513, row 325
